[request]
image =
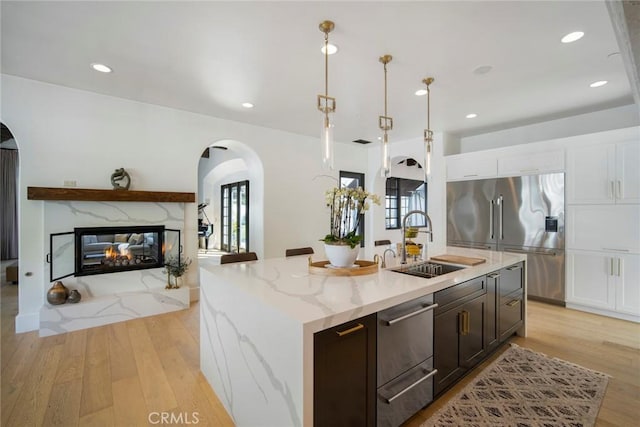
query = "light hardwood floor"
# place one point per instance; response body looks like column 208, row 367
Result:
column 596, row 342
column 124, row 374
column 117, row 375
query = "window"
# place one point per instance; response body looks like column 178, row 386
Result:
column 354, row 180
column 401, row 196
column 234, row 225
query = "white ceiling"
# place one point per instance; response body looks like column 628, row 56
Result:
column 209, row 57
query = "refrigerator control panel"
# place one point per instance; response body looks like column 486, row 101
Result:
column 551, row 224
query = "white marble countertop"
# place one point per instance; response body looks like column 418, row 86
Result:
column 319, row 302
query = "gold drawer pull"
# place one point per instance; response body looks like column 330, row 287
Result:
column 350, row 330
column 463, row 323
column 513, row 303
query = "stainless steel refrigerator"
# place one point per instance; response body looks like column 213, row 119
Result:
column 523, row 214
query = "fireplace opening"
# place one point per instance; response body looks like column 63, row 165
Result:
column 102, row 250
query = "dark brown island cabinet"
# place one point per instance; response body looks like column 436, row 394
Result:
column 344, row 374
column 381, row 369
column 473, row 319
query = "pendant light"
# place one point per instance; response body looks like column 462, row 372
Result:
column 385, row 123
column 326, row 104
column 428, row 133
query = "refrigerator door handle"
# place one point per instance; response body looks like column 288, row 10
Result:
column 491, row 207
column 500, row 219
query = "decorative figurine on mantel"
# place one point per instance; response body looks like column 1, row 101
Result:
column 119, row 175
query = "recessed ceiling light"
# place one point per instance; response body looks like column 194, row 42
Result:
column 471, row 116
column 247, row 105
column 331, row 47
column 483, row 69
column 101, row 67
column 598, row 83
column 421, row 92
column 571, row 37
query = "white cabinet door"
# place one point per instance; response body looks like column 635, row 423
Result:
column 589, row 279
column 627, row 269
column 604, row 227
column 531, row 163
column 472, row 166
column 628, row 172
column 589, row 174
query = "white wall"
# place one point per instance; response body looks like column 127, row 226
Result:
column 613, row 118
column 436, row 194
column 68, row 134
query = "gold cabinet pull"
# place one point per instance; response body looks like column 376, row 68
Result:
column 467, row 322
column 350, row 330
column 463, row 323
column 513, row 303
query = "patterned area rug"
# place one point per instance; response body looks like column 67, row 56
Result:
column 523, row 388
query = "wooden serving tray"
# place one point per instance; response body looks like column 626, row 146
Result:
column 457, row 259
column 322, row 268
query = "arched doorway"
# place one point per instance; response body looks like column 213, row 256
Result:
column 230, row 198
column 9, row 168
column 9, row 230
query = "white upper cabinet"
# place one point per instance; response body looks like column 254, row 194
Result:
column 604, row 228
column 628, row 172
column 604, row 174
column 500, row 163
column 531, row 163
column 471, row 166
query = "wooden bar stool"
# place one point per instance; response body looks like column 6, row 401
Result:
column 298, row 251
column 242, row 257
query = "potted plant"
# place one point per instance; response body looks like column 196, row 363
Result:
column 175, row 266
column 346, row 208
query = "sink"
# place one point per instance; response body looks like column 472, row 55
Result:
column 427, row 269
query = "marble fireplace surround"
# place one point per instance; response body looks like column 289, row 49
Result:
column 112, row 297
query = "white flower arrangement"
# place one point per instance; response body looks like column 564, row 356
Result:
column 347, row 205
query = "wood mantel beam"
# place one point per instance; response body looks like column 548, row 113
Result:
column 95, row 195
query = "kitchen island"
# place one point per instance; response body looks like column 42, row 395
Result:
column 258, row 320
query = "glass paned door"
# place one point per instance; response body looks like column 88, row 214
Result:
column 61, row 255
column 235, row 217
column 225, row 232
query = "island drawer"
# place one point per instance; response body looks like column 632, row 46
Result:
column 399, row 399
column 511, row 314
column 455, row 295
column 405, row 337
column 511, row 279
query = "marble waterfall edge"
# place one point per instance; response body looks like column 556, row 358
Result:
column 244, row 363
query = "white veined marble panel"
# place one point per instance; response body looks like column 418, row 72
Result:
column 257, row 374
column 92, row 312
column 111, row 297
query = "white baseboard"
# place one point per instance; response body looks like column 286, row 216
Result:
column 27, row 322
column 607, row 313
